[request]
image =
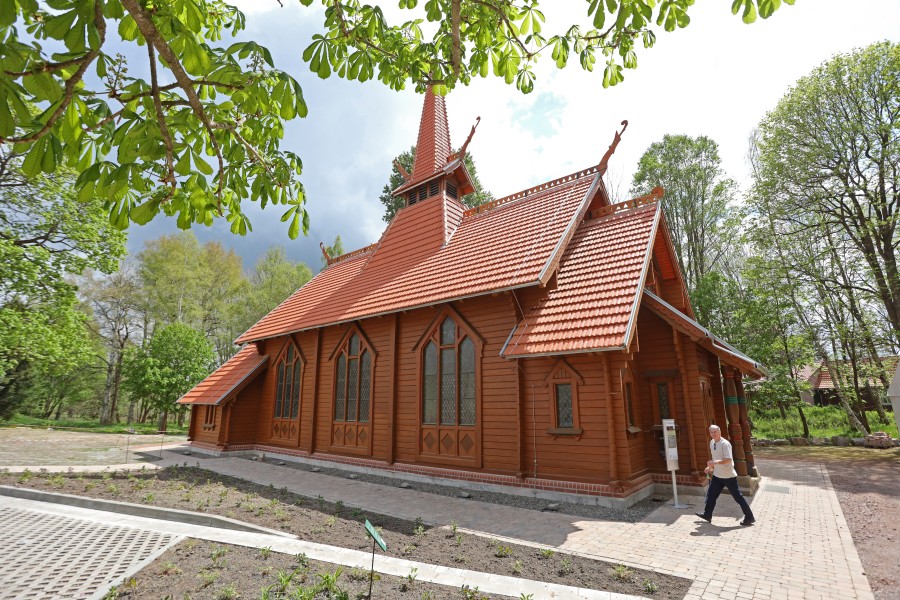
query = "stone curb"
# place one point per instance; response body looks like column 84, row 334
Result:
column 139, row 510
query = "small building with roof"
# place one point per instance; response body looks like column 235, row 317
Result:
column 535, row 342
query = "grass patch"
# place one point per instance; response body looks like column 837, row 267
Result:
column 91, row 426
column 824, row 421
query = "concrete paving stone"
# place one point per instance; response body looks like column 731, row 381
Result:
column 60, row 557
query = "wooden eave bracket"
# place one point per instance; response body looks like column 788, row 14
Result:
column 462, row 151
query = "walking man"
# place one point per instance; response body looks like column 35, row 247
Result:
column 723, row 475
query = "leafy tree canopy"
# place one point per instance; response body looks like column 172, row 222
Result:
column 273, row 279
column 697, row 201
column 202, row 132
column 829, row 159
column 46, row 236
column 176, row 359
column 46, row 233
column 393, row 203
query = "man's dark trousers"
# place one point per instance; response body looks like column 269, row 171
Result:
column 715, row 488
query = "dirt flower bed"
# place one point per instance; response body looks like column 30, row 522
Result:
column 202, row 570
column 316, row 520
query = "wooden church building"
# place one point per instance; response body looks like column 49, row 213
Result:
column 535, row 342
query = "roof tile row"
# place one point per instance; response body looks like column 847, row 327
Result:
column 598, row 281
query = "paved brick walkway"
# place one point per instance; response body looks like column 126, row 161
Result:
column 800, row 548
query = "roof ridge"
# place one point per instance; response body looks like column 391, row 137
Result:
column 524, row 193
column 349, row 255
column 655, row 195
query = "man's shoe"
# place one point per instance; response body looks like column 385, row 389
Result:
column 748, row 521
column 704, row 517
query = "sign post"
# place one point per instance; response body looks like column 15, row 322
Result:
column 376, row 539
column 670, row 441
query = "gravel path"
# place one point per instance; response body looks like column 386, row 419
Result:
column 633, row 514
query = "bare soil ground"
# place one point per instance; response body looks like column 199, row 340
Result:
column 23, row 446
column 867, row 484
column 201, row 570
column 316, row 520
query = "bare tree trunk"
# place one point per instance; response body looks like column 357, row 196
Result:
column 117, row 386
column 163, row 420
column 105, row 411
column 803, row 420
column 852, row 417
column 780, row 405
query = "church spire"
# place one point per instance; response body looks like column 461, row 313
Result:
column 435, row 172
column 433, row 145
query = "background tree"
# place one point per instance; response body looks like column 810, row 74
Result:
column 697, row 203
column 185, row 282
column 116, row 302
column 333, row 251
column 832, row 148
column 202, row 132
column 392, row 204
column 273, row 279
column 176, row 359
column 46, row 236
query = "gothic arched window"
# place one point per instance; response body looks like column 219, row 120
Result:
column 287, row 387
column 448, row 386
column 353, row 381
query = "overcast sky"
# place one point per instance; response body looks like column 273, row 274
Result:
column 718, row 77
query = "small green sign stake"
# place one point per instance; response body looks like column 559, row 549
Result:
column 375, row 535
column 376, row 539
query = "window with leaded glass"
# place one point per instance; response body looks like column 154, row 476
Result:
column 287, row 384
column 448, row 380
column 562, row 383
column 353, row 382
column 564, row 405
column 662, row 398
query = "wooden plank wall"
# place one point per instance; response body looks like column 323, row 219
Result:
column 516, row 403
column 245, row 413
column 630, row 447
column 657, row 355
column 198, row 432
column 695, row 427
column 583, row 458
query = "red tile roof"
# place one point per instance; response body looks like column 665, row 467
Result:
column 416, row 263
column 226, row 381
column 819, row 376
column 598, row 284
